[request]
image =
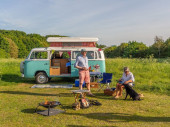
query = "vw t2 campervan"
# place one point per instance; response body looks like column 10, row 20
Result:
column 58, row 59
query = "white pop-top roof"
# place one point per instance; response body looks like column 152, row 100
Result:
column 63, row 49
column 71, row 39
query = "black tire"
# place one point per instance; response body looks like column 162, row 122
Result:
column 49, row 79
column 41, row 78
column 92, row 79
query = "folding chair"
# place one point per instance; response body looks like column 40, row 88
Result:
column 107, row 79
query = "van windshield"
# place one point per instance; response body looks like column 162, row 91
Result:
column 38, row 55
column 90, row 54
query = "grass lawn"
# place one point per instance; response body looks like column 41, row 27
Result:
column 18, row 101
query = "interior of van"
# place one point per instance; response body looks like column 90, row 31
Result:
column 60, row 63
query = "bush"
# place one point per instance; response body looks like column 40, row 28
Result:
column 13, row 49
column 3, row 54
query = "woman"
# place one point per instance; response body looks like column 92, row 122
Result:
column 127, row 79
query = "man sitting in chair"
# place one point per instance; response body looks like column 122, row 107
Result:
column 127, row 79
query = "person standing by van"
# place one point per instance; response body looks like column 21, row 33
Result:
column 84, row 75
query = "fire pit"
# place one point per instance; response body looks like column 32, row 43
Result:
column 50, row 105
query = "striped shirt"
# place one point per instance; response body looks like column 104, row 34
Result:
column 81, row 61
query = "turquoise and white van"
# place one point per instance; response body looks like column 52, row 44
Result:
column 58, row 59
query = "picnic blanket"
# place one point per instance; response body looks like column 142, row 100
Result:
column 53, row 86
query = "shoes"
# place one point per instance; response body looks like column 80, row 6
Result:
column 80, row 96
column 116, row 97
column 95, row 102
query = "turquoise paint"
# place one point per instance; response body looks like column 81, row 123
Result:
column 74, row 71
column 31, row 67
column 101, row 63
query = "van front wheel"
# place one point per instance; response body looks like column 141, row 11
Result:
column 41, row 78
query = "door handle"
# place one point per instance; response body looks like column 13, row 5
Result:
column 46, row 64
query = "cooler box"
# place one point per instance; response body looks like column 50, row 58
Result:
column 77, row 83
column 110, row 92
column 94, row 85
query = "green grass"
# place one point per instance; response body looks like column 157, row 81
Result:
column 18, row 101
column 152, row 75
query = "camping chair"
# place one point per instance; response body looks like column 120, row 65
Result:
column 107, row 79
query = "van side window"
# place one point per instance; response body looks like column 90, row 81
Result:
column 38, row 55
column 90, row 54
column 99, row 54
column 75, row 54
column 95, row 55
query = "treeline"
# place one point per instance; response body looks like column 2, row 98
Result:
column 133, row 49
column 18, row 44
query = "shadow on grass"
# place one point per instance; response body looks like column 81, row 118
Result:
column 18, row 79
column 69, row 80
column 106, row 97
column 66, row 107
column 122, row 117
column 86, row 126
column 102, row 96
column 37, row 94
column 75, row 126
column 30, row 110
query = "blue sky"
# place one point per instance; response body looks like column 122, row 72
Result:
column 112, row 21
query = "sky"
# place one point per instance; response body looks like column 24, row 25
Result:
column 112, row 21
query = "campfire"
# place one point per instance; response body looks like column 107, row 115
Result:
column 49, row 104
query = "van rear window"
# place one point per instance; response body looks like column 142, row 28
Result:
column 38, row 55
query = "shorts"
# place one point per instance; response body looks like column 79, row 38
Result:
column 84, row 76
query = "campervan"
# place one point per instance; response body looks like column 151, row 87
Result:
column 59, row 58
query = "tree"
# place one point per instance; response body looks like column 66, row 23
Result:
column 157, row 47
column 4, row 44
column 120, row 51
column 109, row 52
column 13, row 48
column 100, row 46
column 22, row 50
column 166, row 52
column 54, row 36
column 135, row 49
column 3, row 54
column 12, row 41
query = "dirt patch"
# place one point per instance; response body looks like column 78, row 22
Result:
column 23, row 84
